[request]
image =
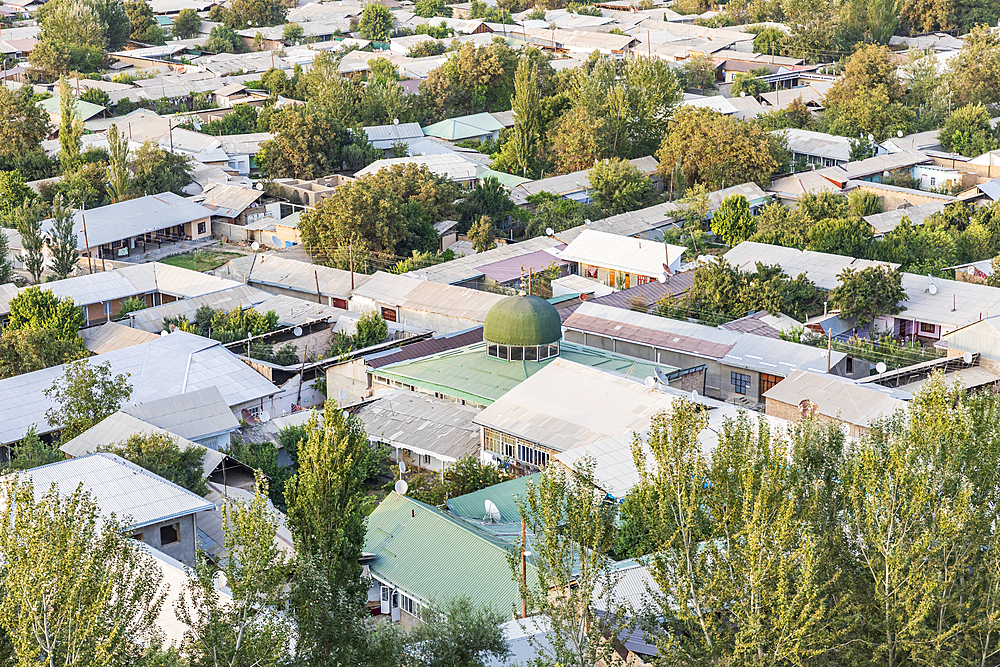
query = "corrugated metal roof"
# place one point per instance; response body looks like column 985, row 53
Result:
column 425, row 348
column 384, row 136
column 504, row 495
column 227, row 200
column 422, row 424
column 839, row 398
column 464, row 127
column 819, row 144
column 577, row 181
column 623, row 253
column 449, row 165
column 120, row 427
column 762, row 323
column 820, row 267
column 113, row 336
column 410, row 293
column 432, row 557
column 462, row 269
column 120, row 488
column 273, row 270
column 167, row 366
column 193, row 415
column 883, row 223
column 507, row 270
column 237, row 296
column 648, row 293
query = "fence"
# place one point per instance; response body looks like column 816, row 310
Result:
column 233, row 233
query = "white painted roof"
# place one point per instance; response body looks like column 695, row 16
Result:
column 622, row 253
column 820, row 267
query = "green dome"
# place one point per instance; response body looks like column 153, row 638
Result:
column 522, row 321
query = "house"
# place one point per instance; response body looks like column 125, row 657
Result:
column 739, row 365
column 816, row 148
column 740, row 108
column 575, row 185
column 135, row 226
column 820, row 268
column 113, row 336
column 467, row 271
column 84, row 110
column 384, row 137
column 621, row 261
column 782, row 98
column 762, row 323
column 422, row 556
column 169, row 366
column 309, row 193
column 232, row 204
column 833, row 399
column 427, row 433
column 883, row 223
column 278, row 275
column 638, row 297
column 836, row 178
column 515, row 271
column 479, row 126
column 242, row 150
column 450, row 165
column 156, row 512
column 201, row 416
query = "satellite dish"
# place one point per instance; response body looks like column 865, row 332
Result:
column 275, row 240
column 880, row 367
column 297, row 331
column 548, row 231
column 650, row 382
column 401, row 487
column 402, row 468
column 932, row 289
column 255, row 246
column 662, row 277
column 265, row 416
column 583, row 296
column 343, row 396
column 967, row 357
column 694, row 395
column 661, row 376
column 871, row 137
column 899, row 133
column 259, row 185
column 492, row 512
column 164, row 333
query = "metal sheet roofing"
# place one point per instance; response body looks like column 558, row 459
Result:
column 431, row 556
column 228, row 201
column 762, row 323
column 120, row 488
column 648, row 293
column 504, row 495
column 426, row 296
column 113, row 336
column 120, row 427
column 820, row 267
column 623, row 253
column 464, row 127
column 449, row 165
column 839, row 398
column 577, row 181
column 422, row 424
column 462, row 269
column 273, row 270
column 819, row 144
column 883, row 223
column 507, row 270
column 384, row 136
column 636, row 222
column 425, row 348
column 170, row 365
column 192, row 415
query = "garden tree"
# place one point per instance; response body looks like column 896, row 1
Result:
column 187, row 24
column 264, row 458
column 778, row 224
column 732, row 531
column 292, row 33
column 156, row 170
column 698, row 72
column 618, row 186
column 927, row 93
column 382, row 102
column 720, row 292
column 13, row 193
column 968, row 131
column 259, row 13
column 519, row 154
column 85, row 186
column 27, row 219
column 693, row 139
column 468, row 475
column 376, row 22
column 78, row 590
column 223, row 39
column 70, row 127
column 849, row 236
column 733, row 222
column 35, row 307
column 820, row 205
column 82, row 27
column 329, row 90
column 431, row 8
column 119, row 174
column 242, row 120
column 796, row 114
column 574, row 533
column 377, row 213
column 483, row 234
column 145, row 29
column 750, row 83
column 868, row 294
column 634, row 97
column 869, row 98
column 558, row 214
column 327, row 504
column 921, row 249
column 23, row 124
column 814, row 29
column 249, row 629
column 466, row 635
column 974, row 73
column 84, row 396
column 768, row 40
column 34, row 348
column 64, row 240
column 864, row 202
column 159, row 453
column 6, row 264
column 32, row 452
column 96, row 96
column 371, row 329
column 575, row 144
column 488, row 197
column 307, row 144
column 474, row 79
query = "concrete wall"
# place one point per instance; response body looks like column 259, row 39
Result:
column 184, row 549
column 792, row 413
column 351, row 377
column 234, row 233
column 420, row 319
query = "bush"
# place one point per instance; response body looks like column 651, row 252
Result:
column 371, row 330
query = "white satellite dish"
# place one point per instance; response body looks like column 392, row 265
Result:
column 275, row 241
column 548, row 231
column 650, row 381
column 492, row 512
column 932, row 288
column 967, row 357
column 297, row 331
column 694, row 395
column 265, row 416
column 343, row 396
column 401, row 487
column 164, row 333
column 662, row 277
column 880, row 367
column 255, row 246
column 661, row 376
column 402, row 468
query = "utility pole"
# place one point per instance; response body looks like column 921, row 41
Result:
column 350, row 251
column 90, row 259
column 524, row 572
column 829, row 348
column 319, row 297
column 302, row 375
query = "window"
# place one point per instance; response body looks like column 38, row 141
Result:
column 849, row 365
column 508, row 444
column 427, row 459
column 388, row 314
column 201, row 227
column 933, row 181
column 531, row 354
column 741, row 382
column 170, row 534
column 927, row 328
column 340, row 303
column 491, row 350
column 516, row 353
column 502, row 352
column 642, row 280
column 591, row 272
column 767, row 381
column 408, row 605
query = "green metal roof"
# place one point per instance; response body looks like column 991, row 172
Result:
column 433, row 557
column 506, row 180
column 464, row 127
column 85, row 110
column 522, row 321
column 468, row 374
column 503, row 495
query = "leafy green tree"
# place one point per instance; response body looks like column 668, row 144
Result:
column 160, row 454
column 483, row 234
column 821, row 205
column 371, row 329
column 36, row 307
column 263, row 457
column 292, row 33
column 733, row 222
column 32, row 452
column 750, row 83
column 574, row 533
column 145, row 29
column 575, row 143
column 259, row 13
column 223, row 39
column 376, row 22
column 841, row 236
column 119, row 174
column 778, row 224
column 520, row 150
column 974, row 73
column 968, row 131
column 77, row 590
column 618, row 186
column 473, row 80
column 156, row 171
column 13, row 193
column 6, row 263
column 64, row 252
column 720, row 292
column 490, row 198
column 249, row 629
column 698, row 72
column 869, row 98
column 187, row 24
column 468, row 475
column 27, row 220
column 431, row 8
column 868, row 294
column 23, row 124
column 326, row 508
column 466, row 635
column 307, row 144
column 864, row 202
column 84, row 396
column 33, row 348
column 70, row 127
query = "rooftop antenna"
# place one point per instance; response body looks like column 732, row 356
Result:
column 492, row 512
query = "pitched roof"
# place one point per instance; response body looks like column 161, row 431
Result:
column 648, row 293
column 464, row 127
column 120, row 488
column 820, row 144
column 883, row 223
column 422, row 424
column 820, row 267
column 274, row 270
column 384, row 136
column 433, row 557
column 622, row 253
column 449, row 341
column 504, row 495
column 113, row 336
column 227, row 201
column 839, row 398
column 192, row 415
column 449, row 165
column 426, row 296
column 462, row 269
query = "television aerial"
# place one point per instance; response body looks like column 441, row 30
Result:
column 492, row 512
column 880, row 367
column 401, row 487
